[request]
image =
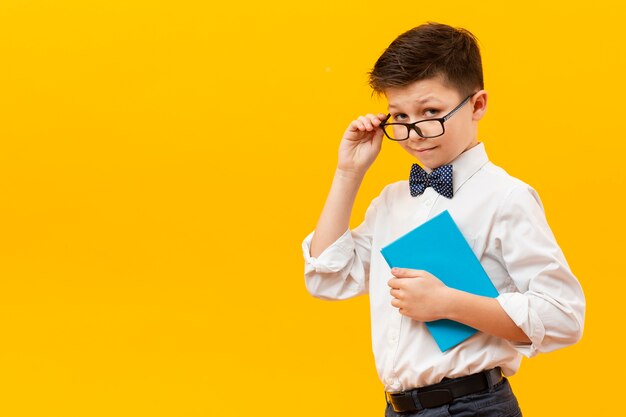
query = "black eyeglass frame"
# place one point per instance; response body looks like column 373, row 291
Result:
column 413, row 125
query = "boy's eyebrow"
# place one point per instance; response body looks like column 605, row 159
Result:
column 420, row 101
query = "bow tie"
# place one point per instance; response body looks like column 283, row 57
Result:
column 440, row 179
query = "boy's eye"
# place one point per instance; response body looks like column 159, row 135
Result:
column 432, row 112
column 400, row 117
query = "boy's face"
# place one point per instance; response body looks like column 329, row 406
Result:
column 428, row 99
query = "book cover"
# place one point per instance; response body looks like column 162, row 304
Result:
column 438, row 246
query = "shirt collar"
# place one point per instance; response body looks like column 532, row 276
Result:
column 467, row 164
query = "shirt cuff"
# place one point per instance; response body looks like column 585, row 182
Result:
column 516, row 305
column 334, row 258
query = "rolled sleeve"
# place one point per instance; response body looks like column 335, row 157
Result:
column 547, row 303
column 517, row 307
column 333, row 259
column 341, row 271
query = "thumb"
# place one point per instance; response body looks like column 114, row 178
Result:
column 405, row 273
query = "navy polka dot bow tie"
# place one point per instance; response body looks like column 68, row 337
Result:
column 440, row 179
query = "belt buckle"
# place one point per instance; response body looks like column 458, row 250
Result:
column 401, row 401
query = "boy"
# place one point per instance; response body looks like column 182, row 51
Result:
column 432, row 79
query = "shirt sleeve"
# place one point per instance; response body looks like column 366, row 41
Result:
column 341, row 271
column 549, row 305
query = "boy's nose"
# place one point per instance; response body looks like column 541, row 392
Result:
column 413, row 134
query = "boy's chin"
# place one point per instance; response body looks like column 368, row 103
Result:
column 434, row 160
column 429, row 155
column 429, row 164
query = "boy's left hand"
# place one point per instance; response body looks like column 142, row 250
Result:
column 418, row 294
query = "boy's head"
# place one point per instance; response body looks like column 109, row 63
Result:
column 427, row 51
column 442, row 64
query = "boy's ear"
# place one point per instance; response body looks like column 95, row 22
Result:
column 479, row 105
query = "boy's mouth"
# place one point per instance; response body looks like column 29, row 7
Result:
column 425, row 149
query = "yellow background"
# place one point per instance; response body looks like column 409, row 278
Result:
column 161, row 162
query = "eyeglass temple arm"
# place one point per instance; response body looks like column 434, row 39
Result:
column 457, row 108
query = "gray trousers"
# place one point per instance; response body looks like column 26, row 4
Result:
column 498, row 401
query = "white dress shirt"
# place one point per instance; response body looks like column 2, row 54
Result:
column 502, row 219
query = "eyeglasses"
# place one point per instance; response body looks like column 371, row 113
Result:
column 429, row 128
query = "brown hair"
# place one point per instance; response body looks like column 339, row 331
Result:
column 427, row 51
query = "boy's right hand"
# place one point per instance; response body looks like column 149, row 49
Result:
column 360, row 144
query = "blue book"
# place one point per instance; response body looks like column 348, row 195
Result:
column 438, row 246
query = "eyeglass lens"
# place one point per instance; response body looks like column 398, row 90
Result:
column 426, row 128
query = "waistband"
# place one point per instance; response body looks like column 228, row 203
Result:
column 443, row 392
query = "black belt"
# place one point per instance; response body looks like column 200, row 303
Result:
column 444, row 392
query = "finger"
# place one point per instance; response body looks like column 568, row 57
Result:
column 407, row 273
column 395, row 293
column 358, row 124
column 367, row 123
column 382, row 116
column 396, row 303
column 374, row 120
column 354, row 126
column 394, row 283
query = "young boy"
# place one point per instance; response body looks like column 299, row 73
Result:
column 432, row 79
